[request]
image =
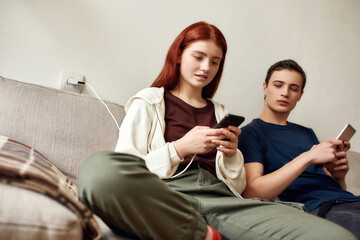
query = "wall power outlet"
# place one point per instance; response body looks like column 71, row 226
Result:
column 71, row 87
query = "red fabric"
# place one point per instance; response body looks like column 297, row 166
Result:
column 216, row 234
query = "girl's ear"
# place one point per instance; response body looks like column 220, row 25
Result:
column 179, row 53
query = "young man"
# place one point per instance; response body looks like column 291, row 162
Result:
column 286, row 160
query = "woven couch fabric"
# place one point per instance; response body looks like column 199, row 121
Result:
column 23, row 166
column 352, row 177
column 21, row 161
column 65, row 127
column 31, row 215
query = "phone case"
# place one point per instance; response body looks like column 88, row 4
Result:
column 347, row 133
column 230, row 119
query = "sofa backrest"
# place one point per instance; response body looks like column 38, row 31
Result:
column 65, row 127
column 353, row 177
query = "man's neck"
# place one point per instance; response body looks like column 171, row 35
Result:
column 274, row 117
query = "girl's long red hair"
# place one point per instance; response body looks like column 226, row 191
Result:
column 169, row 75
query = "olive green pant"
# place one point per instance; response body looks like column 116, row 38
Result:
column 130, row 199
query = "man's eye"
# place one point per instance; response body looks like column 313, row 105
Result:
column 294, row 89
column 277, row 85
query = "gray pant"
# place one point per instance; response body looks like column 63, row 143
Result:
column 346, row 214
column 129, row 198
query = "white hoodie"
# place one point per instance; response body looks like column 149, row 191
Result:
column 142, row 134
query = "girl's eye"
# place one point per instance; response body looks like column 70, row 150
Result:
column 294, row 89
column 197, row 57
column 215, row 63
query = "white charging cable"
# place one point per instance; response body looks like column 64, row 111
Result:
column 71, row 80
column 178, row 174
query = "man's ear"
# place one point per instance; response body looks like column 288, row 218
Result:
column 302, row 92
column 264, row 88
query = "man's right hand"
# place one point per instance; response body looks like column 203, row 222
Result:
column 325, row 152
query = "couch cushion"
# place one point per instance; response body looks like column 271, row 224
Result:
column 23, row 166
column 65, row 127
column 352, row 177
column 36, row 216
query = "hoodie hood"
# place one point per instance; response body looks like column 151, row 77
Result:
column 152, row 95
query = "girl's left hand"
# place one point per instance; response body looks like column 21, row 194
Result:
column 229, row 145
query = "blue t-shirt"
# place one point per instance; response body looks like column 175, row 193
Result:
column 275, row 145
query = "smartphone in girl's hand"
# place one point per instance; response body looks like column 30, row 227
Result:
column 230, row 119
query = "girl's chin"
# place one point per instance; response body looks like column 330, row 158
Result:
column 199, row 84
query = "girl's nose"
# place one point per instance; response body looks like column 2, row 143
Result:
column 205, row 65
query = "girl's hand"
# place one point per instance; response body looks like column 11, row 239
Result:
column 229, row 144
column 198, row 141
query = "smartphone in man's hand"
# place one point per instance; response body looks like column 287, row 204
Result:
column 347, row 133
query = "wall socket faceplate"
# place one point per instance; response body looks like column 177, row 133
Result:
column 71, row 87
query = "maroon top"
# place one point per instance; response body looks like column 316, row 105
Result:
column 180, row 118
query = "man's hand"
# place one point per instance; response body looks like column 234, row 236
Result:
column 339, row 167
column 323, row 152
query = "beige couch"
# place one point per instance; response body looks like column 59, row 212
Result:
column 65, row 128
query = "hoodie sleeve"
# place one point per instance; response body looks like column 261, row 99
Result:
column 141, row 135
column 230, row 170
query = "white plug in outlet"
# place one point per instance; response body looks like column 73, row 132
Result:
column 71, row 87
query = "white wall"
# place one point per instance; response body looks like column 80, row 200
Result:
column 120, row 45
